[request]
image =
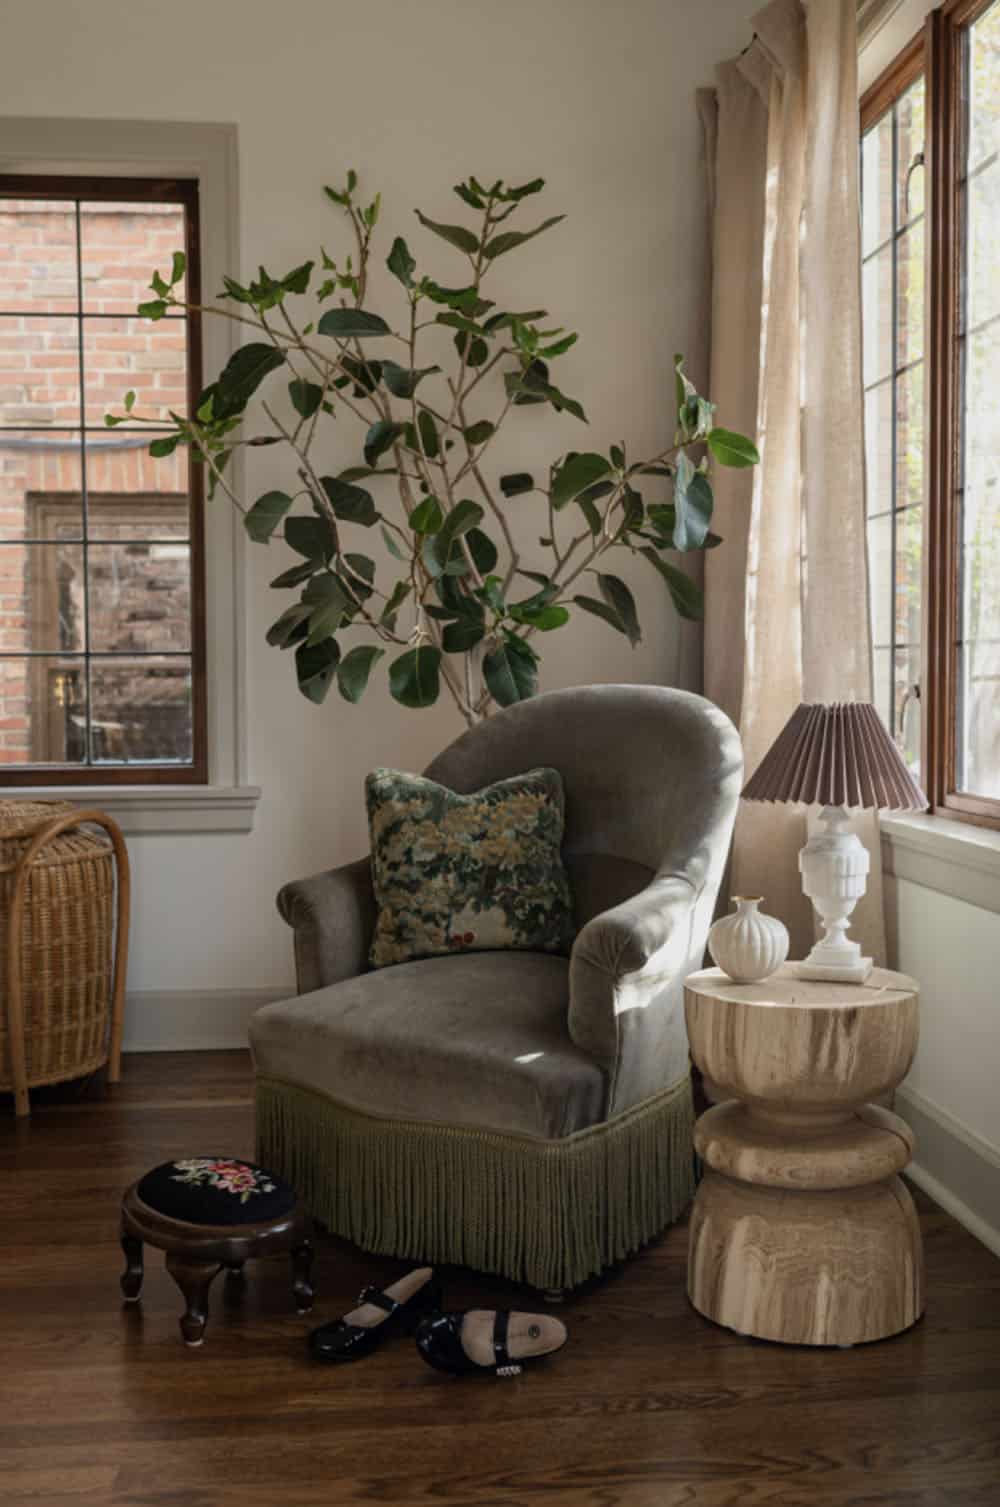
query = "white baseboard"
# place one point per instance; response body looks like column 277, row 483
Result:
column 193, row 1020
column 956, row 1167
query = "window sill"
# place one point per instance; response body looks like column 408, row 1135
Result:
column 953, row 858
column 152, row 810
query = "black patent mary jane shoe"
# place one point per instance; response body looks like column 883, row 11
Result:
column 480, row 1340
column 380, row 1316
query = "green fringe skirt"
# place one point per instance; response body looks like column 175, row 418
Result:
column 549, row 1213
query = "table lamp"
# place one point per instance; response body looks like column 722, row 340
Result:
column 837, row 756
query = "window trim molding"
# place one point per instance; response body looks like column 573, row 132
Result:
column 208, row 153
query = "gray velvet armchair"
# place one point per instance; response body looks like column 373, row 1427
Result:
column 516, row 1112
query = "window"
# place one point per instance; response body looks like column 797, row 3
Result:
column 102, row 655
column 930, row 175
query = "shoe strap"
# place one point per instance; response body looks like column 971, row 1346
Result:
column 378, row 1299
column 501, row 1354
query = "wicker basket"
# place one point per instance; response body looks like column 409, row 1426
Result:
column 63, row 944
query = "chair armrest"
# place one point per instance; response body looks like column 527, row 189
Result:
column 626, row 979
column 333, row 917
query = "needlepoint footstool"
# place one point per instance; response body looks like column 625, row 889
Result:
column 207, row 1213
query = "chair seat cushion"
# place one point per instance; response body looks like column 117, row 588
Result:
column 477, row 1039
column 216, row 1190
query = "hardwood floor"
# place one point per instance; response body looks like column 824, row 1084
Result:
column 649, row 1405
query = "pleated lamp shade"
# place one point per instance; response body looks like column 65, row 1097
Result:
column 836, row 755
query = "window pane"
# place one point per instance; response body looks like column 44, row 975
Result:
column 140, row 598
column 984, row 87
column 910, row 437
column 40, row 486
column 880, row 578
column 131, row 495
column 40, row 362
column 41, row 598
column 134, row 354
column 910, row 148
column 909, row 557
column 906, row 704
column 978, row 654
column 141, row 711
column 983, row 296
column 43, row 717
column 910, row 295
column 123, row 244
column 877, row 316
column 37, row 257
column 883, row 686
column 876, row 185
column 878, row 447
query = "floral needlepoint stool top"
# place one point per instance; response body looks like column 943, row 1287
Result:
column 217, row 1190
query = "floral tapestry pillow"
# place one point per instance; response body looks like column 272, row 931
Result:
column 453, row 873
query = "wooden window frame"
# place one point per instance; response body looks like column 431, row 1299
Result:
column 142, row 190
column 937, row 52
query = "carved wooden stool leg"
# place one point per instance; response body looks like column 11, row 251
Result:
column 131, row 1278
column 302, row 1289
column 194, row 1278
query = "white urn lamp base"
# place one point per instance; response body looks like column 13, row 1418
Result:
column 834, row 865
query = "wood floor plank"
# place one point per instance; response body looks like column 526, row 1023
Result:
column 648, row 1406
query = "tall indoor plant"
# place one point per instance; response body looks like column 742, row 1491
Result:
column 457, row 604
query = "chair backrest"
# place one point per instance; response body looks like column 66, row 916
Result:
column 652, row 777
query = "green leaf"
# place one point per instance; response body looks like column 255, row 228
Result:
column 401, row 381
column 177, row 268
column 693, row 502
column 364, row 567
column 511, row 238
column 315, row 665
column 474, row 349
column 684, row 592
column 366, row 375
column 590, row 512
column 516, row 483
column 455, row 321
column 428, row 434
column 291, row 626
column 577, row 474
column 161, row 448
column 467, row 196
column 297, row 281
column 479, row 433
column 560, row 347
column 392, row 545
column 455, row 235
column 503, row 321
column 350, row 503
column 620, row 599
column 159, row 286
column 265, row 515
column 511, row 671
column 427, row 517
column 464, row 515
column 601, row 610
column 483, row 551
column 380, row 438
column 235, row 291
column 240, row 378
column 414, row 678
column 467, row 300
column 355, row 668
column 460, row 636
column 491, row 592
column 306, row 397
column 312, row 537
column 155, row 308
column 352, row 324
column 633, row 509
column 296, row 574
column 397, row 597
column 545, row 618
column 330, row 605
column 731, row 449
column 517, row 194
column 400, row 263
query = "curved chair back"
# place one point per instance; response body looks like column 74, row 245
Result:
column 652, row 777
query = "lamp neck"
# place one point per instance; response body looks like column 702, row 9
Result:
column 836, row 819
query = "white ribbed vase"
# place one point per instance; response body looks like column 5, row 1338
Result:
column 747, row 945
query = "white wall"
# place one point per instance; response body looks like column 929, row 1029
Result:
column 598, row 99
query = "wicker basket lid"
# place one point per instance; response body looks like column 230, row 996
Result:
column 23, row 818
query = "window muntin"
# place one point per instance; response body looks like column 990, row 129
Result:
column 101, row 619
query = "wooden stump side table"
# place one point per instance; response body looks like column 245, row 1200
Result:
column 802, row 1230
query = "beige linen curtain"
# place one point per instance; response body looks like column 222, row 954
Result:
column 786, row 616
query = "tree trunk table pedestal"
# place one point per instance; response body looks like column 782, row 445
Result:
column 802, row 1230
